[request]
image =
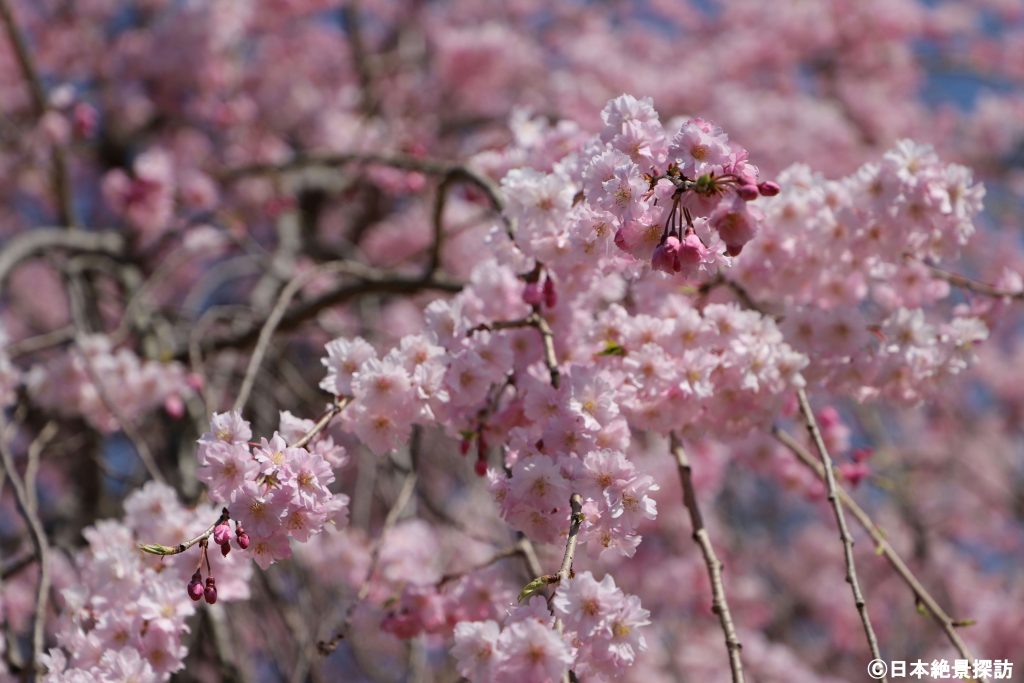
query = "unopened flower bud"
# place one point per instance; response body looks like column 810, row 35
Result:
column 748, row 192
column 195, row 587
column 532, row 294
column 174, row 406
column 221, row 533
column 481, row 468
column 550, row 298
column 666, row 256
column 854, row 472
column 768, row 188
column 243, row 540
column 211, row 591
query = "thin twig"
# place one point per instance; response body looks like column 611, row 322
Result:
column 39, row 542
column 575, row 520
column 127, row 427
column 157, row 549
column 30, row 72
column 275, row 317
column 964, row 282
column 719, row 603
column 921, row 594
column 538, row 322
column 513, row 551
column 360, row 57
column 35, row 450
column 844, row 531
column 325, row 419
column 404, row 496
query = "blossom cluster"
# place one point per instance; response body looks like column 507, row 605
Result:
column 125, row 617
column 851, row 260
column 68, row 384
column 678, row 197
column 277, row 491
column 601, row 637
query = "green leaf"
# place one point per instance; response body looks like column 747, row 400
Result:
column 534, row 586
column 612, row 349
column 157, row 549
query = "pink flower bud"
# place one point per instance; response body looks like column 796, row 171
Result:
column 550, row 298
column 481, row 468
column 532, row 294
column 666, row 256
column 690, row 254
column 211, row 591
column 221, row 533
column 747, row 192
column 243, row 540
column 733, row 249
column 854, row 472
column 464, row 447
column 195, row 587
column 174, row 406
column 828, row 417
column 768, row 188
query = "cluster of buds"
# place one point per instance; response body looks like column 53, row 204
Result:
column 221, row 535
column 196, row 591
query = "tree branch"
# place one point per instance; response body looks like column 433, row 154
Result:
column 921, row 594
column 39, row 542
column 157, row 549
column 326, row 647
column 844, row 531
column 40, row 241
column 719, row 603
column 369, row 281
column 964, row 282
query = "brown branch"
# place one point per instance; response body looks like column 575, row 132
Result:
column 882, row 545
column 321, row 424
column 39, row 541
column 450, row 172
column 39, row 241
column 157, row 549
column 539, row 323
column 513, row 551
column 326, row 647
column 30, row 72
column 964, row 282
column 368, row 281
column 719, row 603
column 575, row 520
column 276, row 315
column 844, row 531
column 360, row 56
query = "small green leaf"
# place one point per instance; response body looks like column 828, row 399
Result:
column 156, row 549
column 612, row 349
column 534, row 586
